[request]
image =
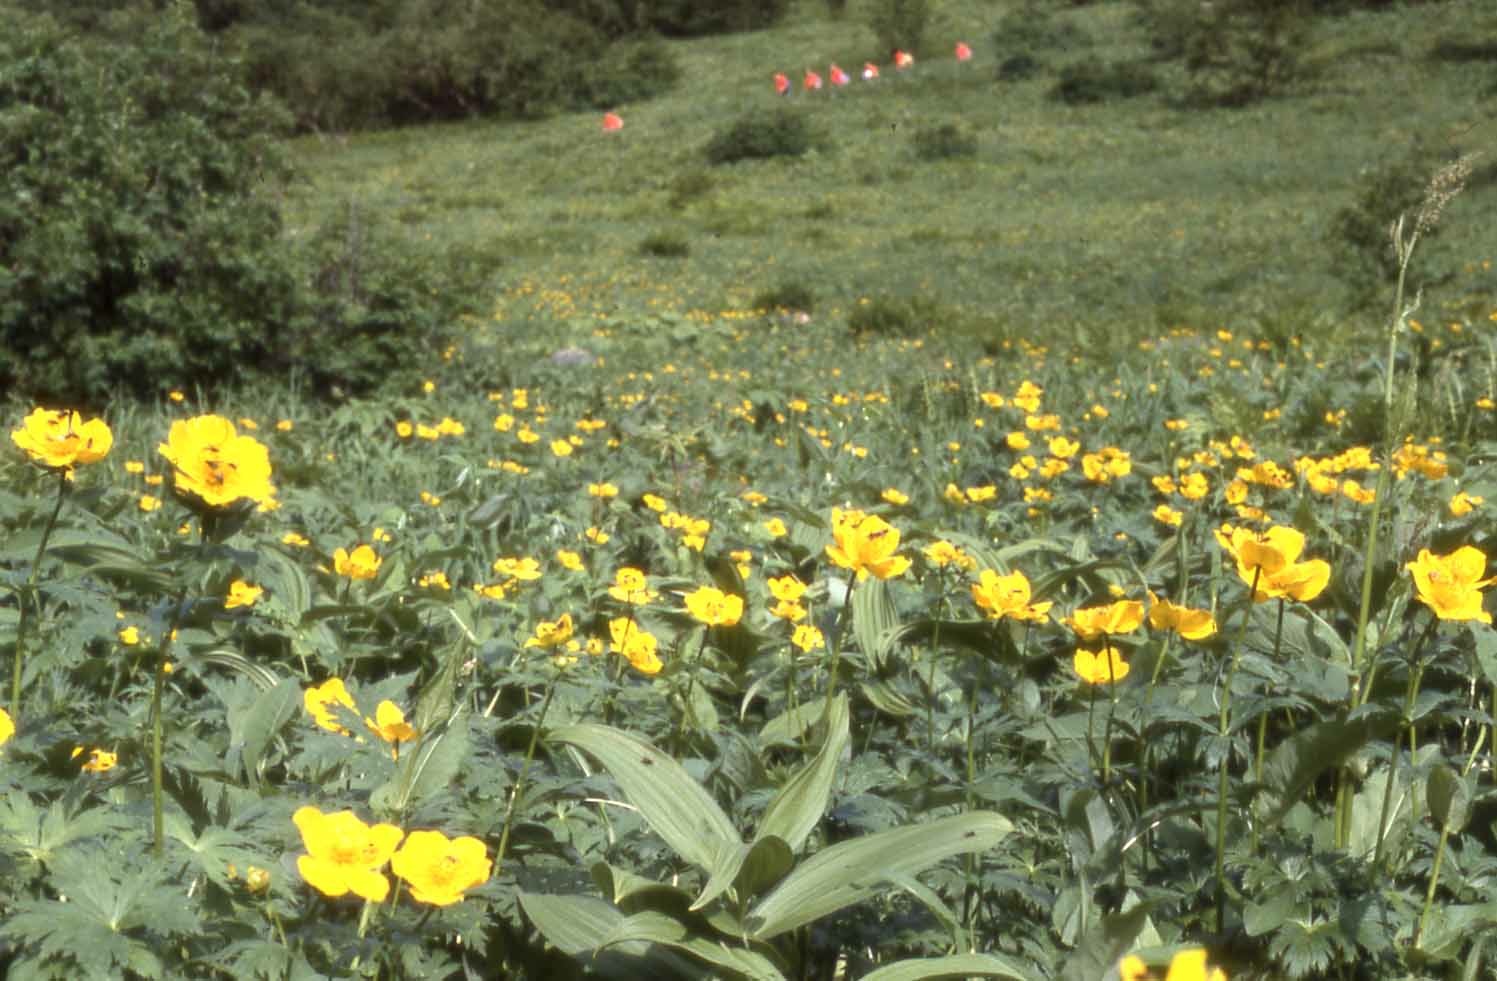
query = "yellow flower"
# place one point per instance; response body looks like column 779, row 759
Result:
column 1188, row 623
column 550, row 633
column 776, row 528
column 1451, row 585
column 449, row 426
column 1121, row 617
column 430, row 499
column 978, row 495
column 99, row 760
column 1133, row 968
column 241, row 593
column 713, row 607
column 630, row 585
column 134, row 466
column 504, row 422
column 1356, row 492
column 569, row 560
column 1194, row 486
column 596, row 535
column 1166, row 515
column 786, row 588
column 753, row 498
column 320, row 699
column 1100, row 667
column 361, row 563
column 1272, row 560
column 438, row 870
column 493, row 591
column 1463, row 504
column 654, row 502
column 404, row 429
column 807, row 638
column 284, row 425
column 560, row 447
column 344, row 854
column 1106, row 464
column 788, row 610
column 295, row 540
column 524, row 569
column 389, row 724
column 216, row 466
column 941, row 553
column 637, row 645
column 62, row 440
column 147, row 503
column 256, row 879
column 895, row 497
column 7, row 727
column 1063, row 448
column 865, row 544
column 743, row 561
column 436, row 579
column 604, row 490
column 1000, row 596
column 130, row 636
column 1190, row 965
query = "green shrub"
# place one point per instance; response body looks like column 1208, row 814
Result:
column 899, row 23
column 689, row 186
column 665, row 245
column 944, row 141
column 693, row 18
column 1035, row 30
column 138, row 248
column 791, row 294
column 761, row 134
column 1090, row 81
column 1235, row 52
column 894, row 315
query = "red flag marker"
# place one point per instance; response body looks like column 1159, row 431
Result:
column 870, row 71
column 903, row 60
column 612, row 122
column 838, row 76
column 781, row 83
column 812, row 81
column 963, row 51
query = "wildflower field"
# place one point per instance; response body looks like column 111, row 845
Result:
column 664, row 638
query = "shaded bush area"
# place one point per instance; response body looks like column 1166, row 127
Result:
column 944, row 141
column 760, row 135
column 1235, row 52
column 141, row 245
column 341, row 65
column 1090, row 81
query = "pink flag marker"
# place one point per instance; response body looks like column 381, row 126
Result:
column 963, row 51
column 612, row 122
column 870, row 71
column 838, row 76
column 903, row 60
column 781, row 83
column 812, row 81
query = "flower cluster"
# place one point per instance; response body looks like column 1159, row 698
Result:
column 345, row 855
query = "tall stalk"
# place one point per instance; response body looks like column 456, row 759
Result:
column 1224, row 729
column 27, row 598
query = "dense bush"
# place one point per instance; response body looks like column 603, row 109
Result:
column 944, row 141
column 760, row 135
column 790, row 294
column 690, row 18
column 138, row 248
column 665, row 245
column 1091, row 81
column 890, row 316
column 899, row 23
column 1235, row 52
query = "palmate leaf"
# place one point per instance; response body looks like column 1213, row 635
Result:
column 851, row 871
column 1301, row 759
column 42, row 835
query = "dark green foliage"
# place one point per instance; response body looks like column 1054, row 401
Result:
column 665, row 245
column 899, row 23
column 1090, row 81
column 1235, row 52
column 894, row 315
column 693, row 18
column 1036, row 30
column 138, row 247
column 761, row 135
column 374, row 312
column 688, row 186
column 944, row 141
column 790, row 294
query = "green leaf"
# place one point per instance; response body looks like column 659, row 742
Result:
column 669, row 800
column 658, row 928
column 955, row 966
column 1102, row 946
column 851, row 871
column 427, row 770
column 1300, row 760
column 579, row 925
column 873, row 619
column 253, row 729
column 800, row 803
column 787, row 727
column 1449, row 798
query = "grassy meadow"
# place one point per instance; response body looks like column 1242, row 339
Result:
column 1113, row 611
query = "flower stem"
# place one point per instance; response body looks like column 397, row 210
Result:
column 27, row 597
column 514, row 794
column 1224, row 729
column 1411, row 693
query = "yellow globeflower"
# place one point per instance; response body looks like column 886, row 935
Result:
column 1000, row 596
column 1166, row 515
column 631, row 586
column 320, row 699
column 638, row 646
column 865, row 545
column 216, row 466
column 362, row 563
column 1463, row 504
column 807, row 638
column 1100, row 667
column 1272, row 560
column 570, row 560
column 241, row 593
column 1121, row 617
column 525, row 569
column 61, row 440
column 389, row 724
column 7, row 727
column 713, row 607
column 552, row 633
column 344, row 854
column 1188, row 623
column 894, row 496
column 786, row 588
column 438, row 869
column 99, row 760
column 1451, row 585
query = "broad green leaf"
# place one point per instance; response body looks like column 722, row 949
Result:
column 800, row 803
column 873, row 617
column 620, row 885
column 788, row 726
column 579, row 925
column 658, row 928
column 427, row 769
column 851, row 871
column 954, row 966
column 669, row 800
column 1449, row 798
column 253, row 730
column 1301, row 759
column 1104, row 944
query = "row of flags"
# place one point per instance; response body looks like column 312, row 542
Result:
column 813, row 82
